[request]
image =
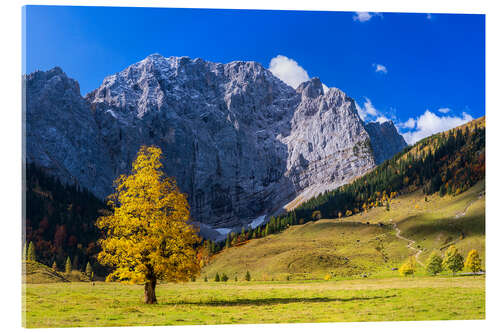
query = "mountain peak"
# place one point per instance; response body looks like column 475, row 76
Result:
column 312, row 88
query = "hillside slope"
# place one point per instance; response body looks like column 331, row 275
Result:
column 429, row 196
column 35, row 272
column 358, row 245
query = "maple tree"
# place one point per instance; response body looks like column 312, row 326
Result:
column 147, row 237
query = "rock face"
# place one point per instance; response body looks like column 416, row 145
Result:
column 61, row 133
column 239, row 141
column 385, row 140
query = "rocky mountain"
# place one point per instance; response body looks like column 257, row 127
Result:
column 240, row 142
column 385, row 140
column 61, row 134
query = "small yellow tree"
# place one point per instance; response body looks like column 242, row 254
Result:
column 473, row 261
column 147, row 235
column 409, row 267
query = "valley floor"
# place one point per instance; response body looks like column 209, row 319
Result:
column 195, row 303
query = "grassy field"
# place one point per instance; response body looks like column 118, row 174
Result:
column 113, row 304
column 358, row 245
column 288, row 270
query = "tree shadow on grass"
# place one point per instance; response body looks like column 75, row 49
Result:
column 273, row 301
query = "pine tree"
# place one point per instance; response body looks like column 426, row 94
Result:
column 473, row 261
column 247, row 276
column 24, row 256
column 67, row 266
column 54, row 265
column 217, row 277
column 434, row 263
column 224, row 277
column 453, row 260
column 88, row 269
column 31, row 252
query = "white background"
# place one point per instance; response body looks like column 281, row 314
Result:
column 10, row 175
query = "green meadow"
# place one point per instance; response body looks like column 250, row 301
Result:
column 201, row 303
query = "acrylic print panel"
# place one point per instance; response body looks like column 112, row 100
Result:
column 180, row 172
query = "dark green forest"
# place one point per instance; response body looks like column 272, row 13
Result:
column 60, row 220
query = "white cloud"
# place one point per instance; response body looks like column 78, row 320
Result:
column 429, row 123
column 288, row 71
column 367, row 110
column 444, row 110
column 380, row 68
column 410, row 123
column 364, row 16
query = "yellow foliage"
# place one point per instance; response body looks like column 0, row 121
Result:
column 328, row 277
column 147, row 237
column 473, row 261
column 409, row 267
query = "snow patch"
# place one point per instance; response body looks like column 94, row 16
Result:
column 223, row 231
column 112, row 113
column 258, row 221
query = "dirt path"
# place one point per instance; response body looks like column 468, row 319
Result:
column 479, row 196
column 411, row 242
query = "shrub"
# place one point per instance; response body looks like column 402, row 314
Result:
column 247, row 276
column 316, row 215
column 327, row 277
column 205, row 279
column 224, row 277
column 434, row 263
column 453, row 260
column 473, row 262
column 408, row 268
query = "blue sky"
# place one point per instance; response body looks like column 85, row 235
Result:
column 426, row 72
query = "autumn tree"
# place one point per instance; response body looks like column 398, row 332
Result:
column 147, row 237
column 434, row 263
column 409, row 267
column 453, row 260
column 473, row 261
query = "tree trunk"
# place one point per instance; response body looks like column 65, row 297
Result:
column 150, row 292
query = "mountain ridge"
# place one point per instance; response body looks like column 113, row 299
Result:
column 239, row 141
